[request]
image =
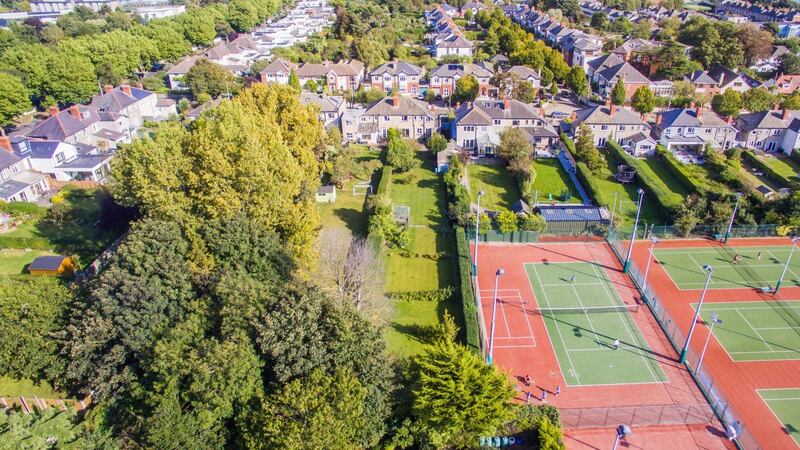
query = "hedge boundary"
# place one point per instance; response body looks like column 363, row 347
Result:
column 651, row 182
column 471, row 329
column 769, row 172
column 384, row 186
column 583, row 173
column 675, row 167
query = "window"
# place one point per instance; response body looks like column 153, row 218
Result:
column 420, row 131
column 689, row 130
column 349, row 135
column 385, row 118
column 515, row 122
column 775, row 132
column 603, row 127
column 405, row 119
column 622, row 128
column 59, row 157
column 708, row 130
column 496, row 122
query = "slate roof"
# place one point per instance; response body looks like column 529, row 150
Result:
column 524, row 72
column 397, row 67
column 722, row 74
column 570, row 213
column 326, row 103
column 116, row 100
column 342, row 69
column 639, row 137
column 63, row 124
column 766, row 119
column 499, row 59
column 455, row 41
column 42, row 149
column 19, row 181
column 46, row 262
column 452, row 70
column 635, row 45
column 279, row 65
column 183, row 65
column 407, row 106
column 700, row 77
column 484, row 111
column 625, row 71
column 86, row 162
column 686, row 117
column 601, row 115
column 604, row 62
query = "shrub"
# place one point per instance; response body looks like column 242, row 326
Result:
column 506, row 221
column 532, row 222
column 678, row 170
column 433, row 295
column 471, row 329
column 23, row 209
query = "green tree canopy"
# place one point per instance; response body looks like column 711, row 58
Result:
column 436, row 143
column 618, row 93
column 210, row 78
column 585, row 150
column 456, row 397
column 14, row 98
column 577, row 82
column 400, row 154
column 728, row 104
column 466, row 89
column 757, row 100
column 294, row 81
column 643, row 100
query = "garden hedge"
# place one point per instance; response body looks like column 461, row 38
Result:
column 795, row 155
column 769, row 172
column 585, row 176
column 677, row 170
column 385, row 184
column 651, row 182
column 471, row 329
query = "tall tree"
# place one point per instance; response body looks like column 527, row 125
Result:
column 756, row 43
column 643, row 100
column 585, row 150
column 789, row 63
column 242, row 15
column 619, row 93
column 210, row 78
column 577, row 82
column 728, row 104
column 14, row 98
column 466, row 89
column 400, row 154
column 294, row 81
column 757, row 100
column 456, row 397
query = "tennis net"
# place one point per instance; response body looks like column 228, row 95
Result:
column 587, row 310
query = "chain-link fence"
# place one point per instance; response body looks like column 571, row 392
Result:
column 646, row 415
column 716, row 232
column 619, row 242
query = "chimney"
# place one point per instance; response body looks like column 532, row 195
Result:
column 574, row 116
column 469, row 105
column 126, row 88
column 107, row 88
column 776, row 106
column 396, row 100
column 658, row 119
column 699, row 112
column 608, row 103
column 692, row 105
column 5, row 143
column 506, row 103
column 730, row 120
column 612, row 110
column 458, row 106
column 541, row 112
column 75, row 112
column 53, row 110
column 785, row 115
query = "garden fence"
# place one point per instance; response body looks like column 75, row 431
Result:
column 716, row 400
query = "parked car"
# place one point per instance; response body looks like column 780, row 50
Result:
column 558, row 115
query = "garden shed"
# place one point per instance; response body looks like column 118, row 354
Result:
column 573, row 219
column 326, row 194
column 53, row 265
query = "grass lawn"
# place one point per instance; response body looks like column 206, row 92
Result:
column 627, row 197
column 784, row 166
column 10, row 387
column 431, row 237
column 657, row 165
column 13, row 261
column 76, row 233
column 347, row 212
column 552, row 180
column 499, row 187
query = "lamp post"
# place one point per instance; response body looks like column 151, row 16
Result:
column 494, row 313
column 653, row 242
column 633, row 235
column 709, row 270
column 622, row 432
column 733, row 216
column 714, row 320
column 614, row 208
column 795, row 240
column 477, row 223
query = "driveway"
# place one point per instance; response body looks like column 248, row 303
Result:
column 565, row 105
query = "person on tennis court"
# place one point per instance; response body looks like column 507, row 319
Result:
column 527, row 380
column 572, row 279
column 615, row 345
column 736, row 259
column 758, row 257
column 558, row 390
column 527, row 396
column 544, row 396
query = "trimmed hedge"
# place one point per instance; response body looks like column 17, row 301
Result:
column 652, row 183
column 677, row 170
column 385, row 184
column 433, row 295
column 769, row 172
column 585, row 176
column 471, row 328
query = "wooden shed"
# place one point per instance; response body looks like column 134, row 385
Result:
column 52, row 265
column 326, row 194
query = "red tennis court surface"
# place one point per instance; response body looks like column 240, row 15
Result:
column 738, row 381
column 590, row 413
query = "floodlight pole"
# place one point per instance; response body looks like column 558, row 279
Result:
column 714, row 320
column 614, row 208
column 733, row 216
column 494, row 314
column 786, row 267
column 654, row 241
column 627, row 264
column 709, row 270
column 477, row 223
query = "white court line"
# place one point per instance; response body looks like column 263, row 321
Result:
column 505, row 318
column 775, row 328
column 766, row 402
column 782, row 399
column 527, row 320
column 627, row 327
column 560, row 336
column 596, row 337
column 686, row 250
column 756, row 331
column 499, row 300
column 762, row 351
column 572, row 284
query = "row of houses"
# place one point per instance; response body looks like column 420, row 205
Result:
column 446, row 37
column 77, row 143
column 238, row 53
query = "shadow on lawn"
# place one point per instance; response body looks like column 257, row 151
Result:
column 354, row 220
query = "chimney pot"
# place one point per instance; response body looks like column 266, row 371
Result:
column 126, row 88
column 612, row 109
column 75, row 112
column 777, row 106
column 574, row 116
column 107, row 88
column 396, row 100
column 506, row 103
column 699, row 112
column 692, row 105
column 785, row 114
column 658, row 119
column 53, row 110
column 5, row 143
column 608, row 103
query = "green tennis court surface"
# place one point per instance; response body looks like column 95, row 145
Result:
column 785, row 404
column 583, row 318
column 685, row 266
column 757, row 331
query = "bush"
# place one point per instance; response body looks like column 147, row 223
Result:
column 434, row 295
column 532, row 222
column 677, row 169
column 506, row 221
column 471, row 328
column 589, row 183
column 23, row 209
column 385, row 183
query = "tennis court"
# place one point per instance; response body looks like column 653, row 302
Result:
column 785, row 404
column 583, row 317
column 685, row 266
column 757, row 330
